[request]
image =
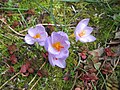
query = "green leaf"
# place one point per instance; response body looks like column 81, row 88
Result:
column 70, row 0
column 92, row 1
column 97, row 65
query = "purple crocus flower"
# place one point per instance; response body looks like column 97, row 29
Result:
column 57, row 46
column 36, row 34
column 82, row 32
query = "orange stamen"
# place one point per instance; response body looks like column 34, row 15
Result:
column 37, row 36
column 57, row 46
column 82, row 33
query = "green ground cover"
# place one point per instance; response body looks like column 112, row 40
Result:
column 17, row 16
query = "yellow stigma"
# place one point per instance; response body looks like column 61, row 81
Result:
column 72, row 35
column 37, row 36
column 82, row 33
column 57, row 46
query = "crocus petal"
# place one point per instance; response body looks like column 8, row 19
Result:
column 49, row 48
column 57, row 46
column 56, row 37
column 42, row 39
column 77, row 37
column 83, row 39
column 44, row 35
column 89, row 38
column 51, row 60
column 38, row 34
column 52, row 50
column 60, row 63
column 40, row 27
column 46, row 43
column 63, row 34
column 35, row 30
column 41, row 43
column 88, row 30
column 82, row 32
column 62, row 38
column 32, row 32
column 82, row 24
column 63, row 54
column 29, row 40
column 65, row 44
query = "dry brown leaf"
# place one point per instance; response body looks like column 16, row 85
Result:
column 117, row 35
column 97, row 52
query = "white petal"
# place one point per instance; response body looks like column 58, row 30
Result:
column 51, row 60
column 29, row 40
column 91, row 38
column 60, row 63
column 83, row 39
column 32, row 32
column 49, row 48
column 41, row 43
column 81, row 25
column 88, row 30
column 35, row 30
column 63, row 54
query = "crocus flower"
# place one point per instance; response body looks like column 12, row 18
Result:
column 57, row 46
column 82, row 32
column 57, row 43
column 36, row 34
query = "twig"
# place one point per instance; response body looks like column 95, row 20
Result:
column 4, row 8
column 74, row 80
column 6, row 64
column 116, row 63
column 23, row 31
column 45, row 24
column 9, row 80
column 35, row 83
column 4, row 72
column 11, row 28
column 15, row 36
column 36, row 74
